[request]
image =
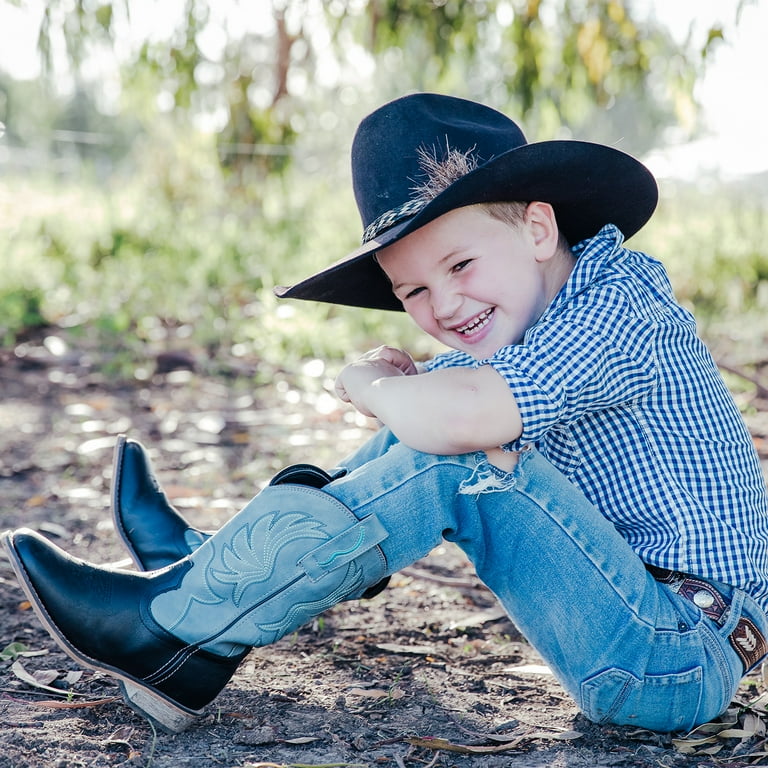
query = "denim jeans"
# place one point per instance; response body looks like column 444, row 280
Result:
column 625, row 647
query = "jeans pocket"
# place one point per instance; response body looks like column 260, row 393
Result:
column 657, row 702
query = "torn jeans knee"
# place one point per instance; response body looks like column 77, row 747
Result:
column 488, row 478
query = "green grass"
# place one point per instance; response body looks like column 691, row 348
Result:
column 130, row 268
column 715, row 246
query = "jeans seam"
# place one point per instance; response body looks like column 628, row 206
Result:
column 401, row 480
column 716, row 643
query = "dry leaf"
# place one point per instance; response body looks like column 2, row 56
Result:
column 761, row 702
column 707, row 738
column 467, row 749
column 529, row 669
column 324, row 765
column 478, row 619
column 736, row 733
column 416, row 650
column 79, row 704
column 46, row 676
column 54, row 529
column 690, row 746
column 18, row 669
column 120, row 736
column 754, row 724
column 555, row 736
column 377, row 693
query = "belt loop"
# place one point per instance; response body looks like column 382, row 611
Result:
column 734, row 612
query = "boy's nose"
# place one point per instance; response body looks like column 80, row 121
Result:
column 445, row 305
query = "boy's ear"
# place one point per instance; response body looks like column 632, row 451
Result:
column 542, row 224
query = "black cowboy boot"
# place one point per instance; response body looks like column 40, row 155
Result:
column 174, row 637
column 153, row 531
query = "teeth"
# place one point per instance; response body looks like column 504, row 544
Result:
column 481, row 320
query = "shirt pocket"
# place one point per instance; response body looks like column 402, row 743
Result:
column 561, row 450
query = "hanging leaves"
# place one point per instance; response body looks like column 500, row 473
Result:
column 262, row 73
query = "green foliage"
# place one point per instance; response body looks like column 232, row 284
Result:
column 169, row 237
column 172, row 260
column 21, row 310
column 12, row 651
column 258, row 74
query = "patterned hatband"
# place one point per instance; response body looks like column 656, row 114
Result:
column 388, row 218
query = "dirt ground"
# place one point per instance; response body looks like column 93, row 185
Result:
column 429, row 673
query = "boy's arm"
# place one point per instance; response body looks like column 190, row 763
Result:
column 447, row 411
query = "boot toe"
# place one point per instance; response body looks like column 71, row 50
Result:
column 98, row 617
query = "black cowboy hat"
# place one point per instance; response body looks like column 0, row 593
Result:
column 588, row 185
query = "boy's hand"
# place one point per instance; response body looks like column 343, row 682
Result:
column 353, row 381
column 397, row 357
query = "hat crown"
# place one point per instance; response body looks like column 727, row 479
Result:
column 386, row 165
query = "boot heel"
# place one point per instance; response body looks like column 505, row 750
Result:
column 170, row 718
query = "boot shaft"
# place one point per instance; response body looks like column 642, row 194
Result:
column 290, row 554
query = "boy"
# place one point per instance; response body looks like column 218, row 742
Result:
column 577, row 443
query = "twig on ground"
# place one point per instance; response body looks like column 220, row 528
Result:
column 448, row 581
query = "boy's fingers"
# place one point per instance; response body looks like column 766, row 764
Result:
column 397, row 357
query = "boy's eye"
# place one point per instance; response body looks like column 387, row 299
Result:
column 460, row 265
column 414, row 292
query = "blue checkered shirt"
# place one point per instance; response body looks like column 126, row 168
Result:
column 616, row 389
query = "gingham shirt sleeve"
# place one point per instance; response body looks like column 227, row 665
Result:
column 597, row 355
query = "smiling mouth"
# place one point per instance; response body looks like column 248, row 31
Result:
column 476, row 324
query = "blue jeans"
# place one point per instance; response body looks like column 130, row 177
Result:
column 625, row 647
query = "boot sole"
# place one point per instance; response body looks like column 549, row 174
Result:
column 167, row 714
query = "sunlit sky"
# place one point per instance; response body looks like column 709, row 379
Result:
column 732, row 90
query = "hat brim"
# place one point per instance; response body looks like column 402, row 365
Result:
column 588, row 185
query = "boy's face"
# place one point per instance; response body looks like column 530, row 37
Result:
column 476, row 283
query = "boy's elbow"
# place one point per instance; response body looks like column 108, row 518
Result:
column 482, row 429
column 440, row 438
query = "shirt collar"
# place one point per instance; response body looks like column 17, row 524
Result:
column 591, row 256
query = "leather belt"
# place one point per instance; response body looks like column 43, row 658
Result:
column 746, row 639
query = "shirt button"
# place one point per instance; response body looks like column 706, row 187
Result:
column 703, row 599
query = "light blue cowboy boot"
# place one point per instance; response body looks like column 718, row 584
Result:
column 174, row 637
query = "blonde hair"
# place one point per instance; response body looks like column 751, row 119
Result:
column 441, row 173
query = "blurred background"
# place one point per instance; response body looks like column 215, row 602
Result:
column 164, row 164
